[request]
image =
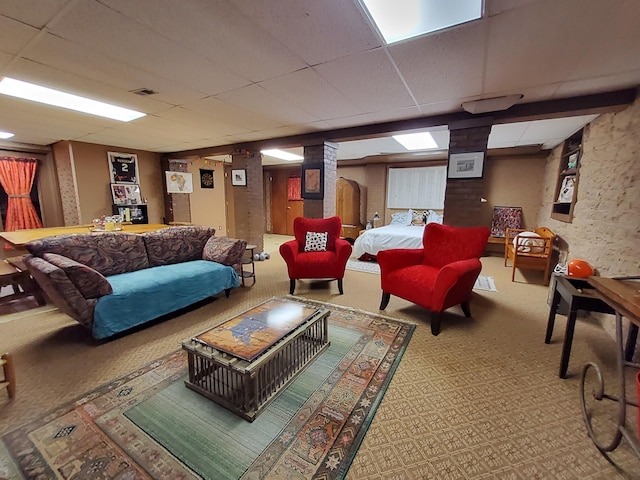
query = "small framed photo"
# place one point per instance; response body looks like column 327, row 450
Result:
column 239, row 178
column 125, row 194
column 313, row 181
column 123, row 167
column 466, row 165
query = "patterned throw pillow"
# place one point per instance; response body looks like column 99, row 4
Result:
column 88, row 281
column 316, row 242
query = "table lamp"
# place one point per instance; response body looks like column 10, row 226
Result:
column 376, row 217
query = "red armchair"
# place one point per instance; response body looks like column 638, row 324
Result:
column 437, row 276
column 328, row 253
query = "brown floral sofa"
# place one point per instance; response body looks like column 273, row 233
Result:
column 111, row 282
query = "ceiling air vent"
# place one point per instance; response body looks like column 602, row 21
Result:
column 144, row 91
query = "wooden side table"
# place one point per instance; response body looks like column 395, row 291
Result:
column 578, row 294
column 248, row 261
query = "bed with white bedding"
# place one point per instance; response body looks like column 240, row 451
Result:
column 402, row 232
column 385, row 238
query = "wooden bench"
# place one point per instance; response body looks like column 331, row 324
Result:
column 9, row 381
column 529, row 255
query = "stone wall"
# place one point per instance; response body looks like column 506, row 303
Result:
column 605, row 229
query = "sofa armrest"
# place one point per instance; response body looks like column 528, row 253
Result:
column 61, row 290
column 224, row 250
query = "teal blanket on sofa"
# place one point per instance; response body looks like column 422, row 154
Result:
column 149, row 293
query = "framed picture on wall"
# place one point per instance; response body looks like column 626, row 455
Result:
column 179, row 182
column 239, row 178
column 313, row 181
column 125, row 194
column 123, row 167
column 465, row 165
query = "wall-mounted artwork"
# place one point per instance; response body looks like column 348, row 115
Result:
column 123, row 167
column 466, row 165
column 239, row 178
column 179, row 182
column 206, row 178
column 125, row 194
column 313, row 181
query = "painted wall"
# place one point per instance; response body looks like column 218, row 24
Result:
column 514, row 182
column 208, row 205
column 93, row 181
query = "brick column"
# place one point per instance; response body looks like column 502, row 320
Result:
column 462, row 207
column 179, row 204
column 326, row 154
column 248, row 202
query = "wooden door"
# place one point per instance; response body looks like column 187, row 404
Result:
column 283, row 210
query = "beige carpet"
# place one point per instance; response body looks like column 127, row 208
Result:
column 481, row 400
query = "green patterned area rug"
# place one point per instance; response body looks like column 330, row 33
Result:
column 148, row 425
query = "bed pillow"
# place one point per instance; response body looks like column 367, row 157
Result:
column 419, row 218
column 402, row 218
column 528, row 242
column 316, row 242
column 434, row 217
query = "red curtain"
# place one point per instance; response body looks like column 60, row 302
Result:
column 294, row 188
column 16, row 177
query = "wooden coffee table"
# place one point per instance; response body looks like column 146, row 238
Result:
column 244, row 363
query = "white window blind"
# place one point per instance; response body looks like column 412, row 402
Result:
column 420, row 187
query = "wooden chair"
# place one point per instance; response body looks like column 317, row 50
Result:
column 9, row 381
column 529, row 253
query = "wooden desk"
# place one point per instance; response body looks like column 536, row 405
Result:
column 578, row 294
column 19, row 238
column 622, row 295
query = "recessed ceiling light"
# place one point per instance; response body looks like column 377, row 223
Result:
column 402, row 19
column 416, row 141
column 5, row 135
column 36, row 93
column 281, row 154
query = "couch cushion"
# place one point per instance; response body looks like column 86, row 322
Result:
column 110, row 253
column 224, row 250
column 89, row 282
column 147, row 294
column 176, row 244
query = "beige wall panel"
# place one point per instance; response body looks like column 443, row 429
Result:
column 92, row 177
column 208, row 204
column 514, row 182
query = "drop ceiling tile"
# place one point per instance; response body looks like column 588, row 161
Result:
column 126, row 40
column 613, row 45
column 216, row 30
column 315, row 31
column 606, row 83
column 63, row 55
column 229, row 113
column 202, row 118
column 393, row 115
column 443, row 65
column 14, row 35
column 256, row 99
column 312, row 93
column 33, row 12
column 515, row 59
column 384, row 87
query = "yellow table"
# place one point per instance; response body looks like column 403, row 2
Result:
column 19, row 238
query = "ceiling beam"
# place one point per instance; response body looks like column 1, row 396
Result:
column 565, row 107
